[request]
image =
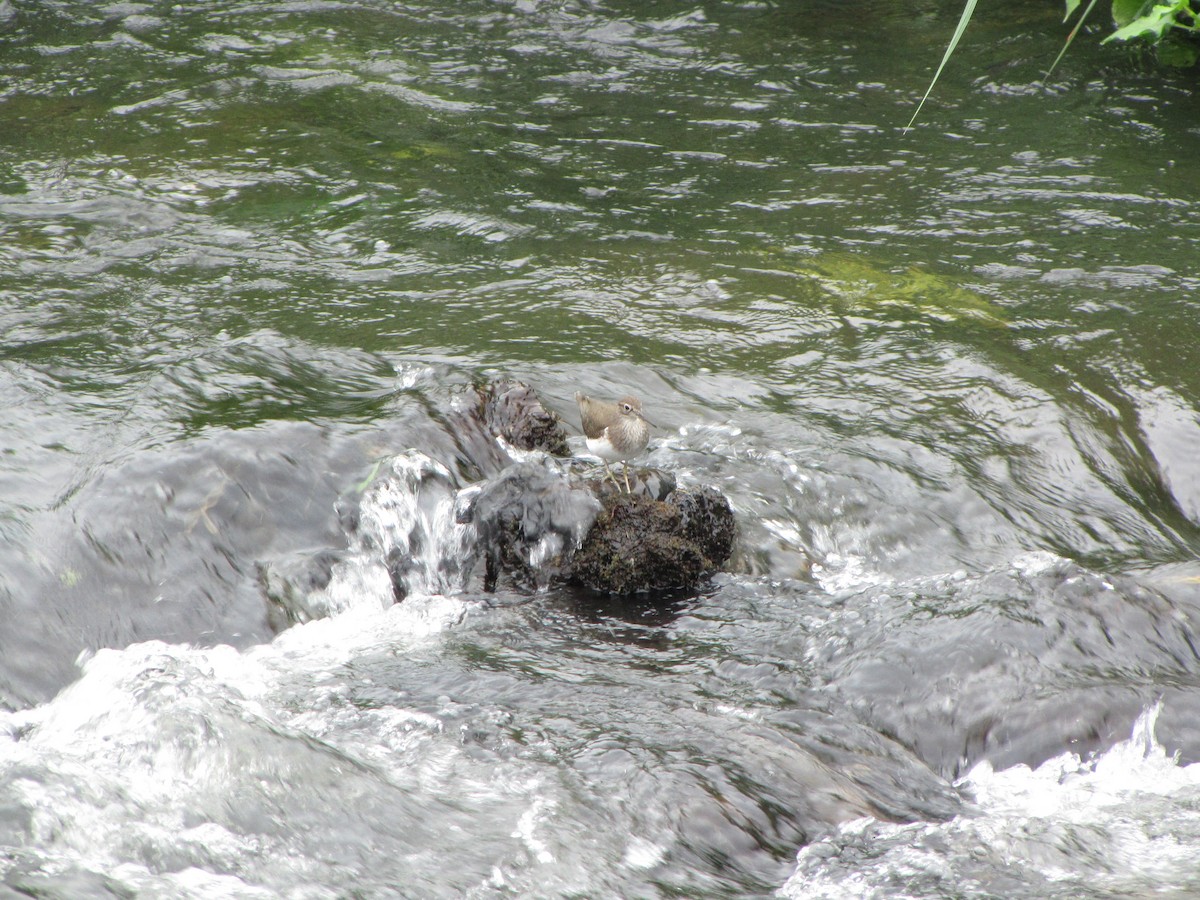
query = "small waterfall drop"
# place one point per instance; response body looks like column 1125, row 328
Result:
column 413, row 533
column 407, row 541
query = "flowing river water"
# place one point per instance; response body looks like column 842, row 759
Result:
column 252, row 256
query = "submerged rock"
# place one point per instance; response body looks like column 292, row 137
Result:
column 292, row 585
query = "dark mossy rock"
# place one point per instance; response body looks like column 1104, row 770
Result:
column 514, row 411
column 707, row 519
column 529, row 516
column 641, row 544
column 510, row 411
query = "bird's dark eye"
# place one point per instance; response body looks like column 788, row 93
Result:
column 626, row 407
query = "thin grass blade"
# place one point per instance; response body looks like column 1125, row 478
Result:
column 968, row 11
column 1070, row 37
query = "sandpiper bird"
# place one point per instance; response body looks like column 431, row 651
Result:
column 614, row 431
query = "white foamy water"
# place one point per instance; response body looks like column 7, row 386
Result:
column 172, row 770
column 1104, row 826
column 407, row 533
column 168, row 770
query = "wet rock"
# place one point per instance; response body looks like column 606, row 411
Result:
column 512, row 410
column 527, row 522
column 531, row 522
column 707, row 520
column 290, row 584
column 530, row 518
column 642, row 544
column 653, row 483
column 490, row 418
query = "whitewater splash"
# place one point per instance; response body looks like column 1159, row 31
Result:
column 1102, row 826
column 408, row 541
column 415, row 534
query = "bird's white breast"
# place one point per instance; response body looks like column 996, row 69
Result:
column 602, row 448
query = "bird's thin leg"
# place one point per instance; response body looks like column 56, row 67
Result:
column 628, row 489
column 609, row 471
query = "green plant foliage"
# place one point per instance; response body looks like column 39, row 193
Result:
column 1123, row 11
column 1169, row 26
column 1153, row 24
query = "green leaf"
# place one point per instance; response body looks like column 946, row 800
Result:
column 1154, row 24
column 1126, row 11
column 967, row 12
column 1072, row 5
